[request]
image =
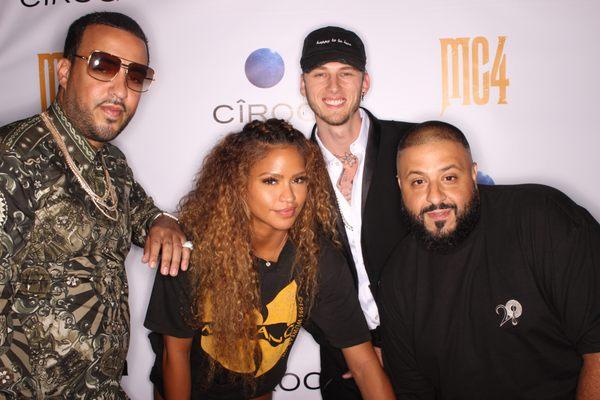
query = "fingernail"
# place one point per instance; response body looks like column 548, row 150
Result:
column 164, row 271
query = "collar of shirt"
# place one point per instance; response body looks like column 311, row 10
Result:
column 82, row 152
column 358, row 147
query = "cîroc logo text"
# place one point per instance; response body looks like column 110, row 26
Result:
column 244, row 112
column 34, row 3
column 466, row 74
column 47, row 63
column 264, row 68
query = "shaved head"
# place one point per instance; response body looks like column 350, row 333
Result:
column 433, row 131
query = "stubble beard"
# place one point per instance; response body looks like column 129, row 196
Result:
column 331, row 119
column 83, row 120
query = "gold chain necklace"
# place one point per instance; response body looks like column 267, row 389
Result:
column 99, row 201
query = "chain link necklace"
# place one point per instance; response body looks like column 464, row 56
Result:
column 101, row 203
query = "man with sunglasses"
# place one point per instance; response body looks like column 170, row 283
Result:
column 69, row 211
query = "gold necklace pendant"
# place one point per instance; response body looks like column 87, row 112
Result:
column 101, row 202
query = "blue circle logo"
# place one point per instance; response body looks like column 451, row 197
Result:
column 264, row 68
column 484, row 179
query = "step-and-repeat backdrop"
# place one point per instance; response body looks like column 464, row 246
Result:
column 520, row 78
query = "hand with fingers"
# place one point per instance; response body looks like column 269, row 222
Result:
column 167, row 240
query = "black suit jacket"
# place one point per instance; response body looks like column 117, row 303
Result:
column 382, row 225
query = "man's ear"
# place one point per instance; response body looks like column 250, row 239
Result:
column 64, row 70
column 474, row 172
column 366, row 83
column 302, row 86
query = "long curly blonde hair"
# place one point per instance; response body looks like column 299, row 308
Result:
column 223, row 273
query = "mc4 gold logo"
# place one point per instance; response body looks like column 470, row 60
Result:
column 466, row 73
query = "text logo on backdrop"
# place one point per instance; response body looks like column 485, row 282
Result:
column 291, row 382
column 242, row 111
column 466, row 73
column 34, row 3
column 47, row 63
column 264, row 68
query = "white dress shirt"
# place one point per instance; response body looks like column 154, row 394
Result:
column 352, row 214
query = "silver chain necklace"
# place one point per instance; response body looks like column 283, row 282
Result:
column 346, row 223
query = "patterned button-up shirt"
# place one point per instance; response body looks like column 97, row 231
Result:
column 64, row 315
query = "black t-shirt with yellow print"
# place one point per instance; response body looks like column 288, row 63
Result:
column 336, row 311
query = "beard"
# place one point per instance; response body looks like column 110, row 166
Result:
column 439, row 242
column 84, row 120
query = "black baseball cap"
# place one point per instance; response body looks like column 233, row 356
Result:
column 332, row 43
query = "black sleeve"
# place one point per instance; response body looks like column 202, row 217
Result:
column 336, row 311
column 169, row 310
column 397, row 335
column 567, row 261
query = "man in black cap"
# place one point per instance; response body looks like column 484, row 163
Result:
column 359, row 151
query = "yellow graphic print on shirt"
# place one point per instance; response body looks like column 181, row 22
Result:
column 276, row 332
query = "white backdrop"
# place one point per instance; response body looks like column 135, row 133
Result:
column 545, row 73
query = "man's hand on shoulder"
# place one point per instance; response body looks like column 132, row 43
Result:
column 166, row 238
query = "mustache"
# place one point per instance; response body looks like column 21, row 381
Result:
column 433, row 207
column 115, row 102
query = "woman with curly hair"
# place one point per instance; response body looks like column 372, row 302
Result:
column 262, row 221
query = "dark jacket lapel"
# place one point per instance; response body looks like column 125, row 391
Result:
column 370, row 161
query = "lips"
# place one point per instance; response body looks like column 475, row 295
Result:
column 286, row 212
column 112, row 111
column 439, row 215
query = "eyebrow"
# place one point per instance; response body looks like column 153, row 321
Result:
column 270, row 174
column 444, row 169
column 450, row 167
column 275, row 174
